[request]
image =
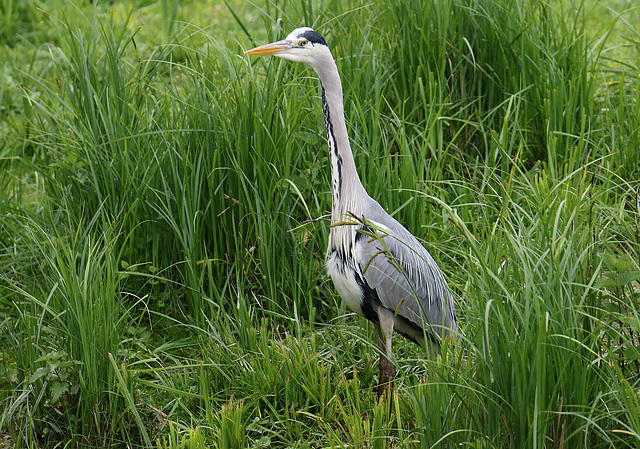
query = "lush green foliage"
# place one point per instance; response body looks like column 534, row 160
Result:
column 162, row 224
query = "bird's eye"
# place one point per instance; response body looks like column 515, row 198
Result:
column 304, row 42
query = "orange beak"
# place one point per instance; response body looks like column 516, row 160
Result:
column 269, row 49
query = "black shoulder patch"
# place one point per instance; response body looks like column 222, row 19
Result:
column 314, row 37
column 370, row 300
column 364, row 232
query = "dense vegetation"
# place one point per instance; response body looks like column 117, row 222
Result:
column 163, row 205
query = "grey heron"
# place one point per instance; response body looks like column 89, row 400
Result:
column 381, row 271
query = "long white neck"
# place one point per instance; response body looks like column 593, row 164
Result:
column 346, row 187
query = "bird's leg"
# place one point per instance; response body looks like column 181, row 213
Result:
column 384, row 331
column 385, row 364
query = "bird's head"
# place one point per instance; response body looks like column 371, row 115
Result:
column 302, row 45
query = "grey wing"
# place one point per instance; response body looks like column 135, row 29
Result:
column 405, row 277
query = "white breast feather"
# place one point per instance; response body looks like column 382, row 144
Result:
column 345, row 282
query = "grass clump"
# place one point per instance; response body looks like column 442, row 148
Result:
column 67, row 324
column 162, row 237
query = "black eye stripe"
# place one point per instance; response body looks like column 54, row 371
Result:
column 314, row 37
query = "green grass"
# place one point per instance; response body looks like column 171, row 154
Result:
column 164, row 202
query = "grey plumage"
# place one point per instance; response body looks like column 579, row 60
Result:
column 380, row 269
